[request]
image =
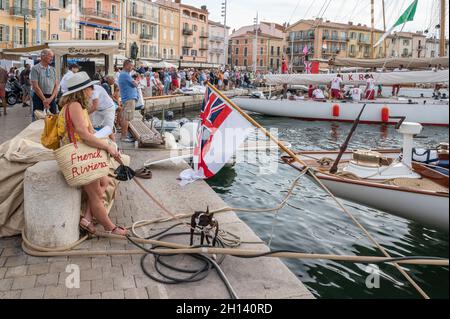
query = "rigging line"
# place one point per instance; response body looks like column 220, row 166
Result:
column 323, row 5
column 309, row 9
column 293, row 12
column 352, row 13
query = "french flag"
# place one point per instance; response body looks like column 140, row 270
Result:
column 221, row 131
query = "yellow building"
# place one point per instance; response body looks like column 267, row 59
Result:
column 359, row 44
column 169, row 30
column 18, row 23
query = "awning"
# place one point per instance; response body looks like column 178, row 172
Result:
column 101, row 26
column 84, row 47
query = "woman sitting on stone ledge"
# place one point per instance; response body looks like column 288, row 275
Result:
column 76, row 102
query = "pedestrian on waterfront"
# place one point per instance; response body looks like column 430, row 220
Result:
column 3, row 81
column 175, row 79
column 76, row 102
column 73, row 68
column 44, row 83
column 129, row 95
column 396, row 87
column 167, row 82
column 24, row 80
column 370, row 87
column 336, row 87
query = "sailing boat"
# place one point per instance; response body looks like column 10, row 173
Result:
column 421, row 110
column 388, row 180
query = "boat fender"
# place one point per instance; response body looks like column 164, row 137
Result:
column 385, row 114
column 336, row 110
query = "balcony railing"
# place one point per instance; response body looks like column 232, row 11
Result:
column 188, row 31
column 146, row 36
column 203, row 47
column 134, row 14
column 216, row 50
column 103, row 15
column 217, row 38
column 363, row 40
column 20, row 12
column 335, row 38
column 204, row 35
column 187, row 44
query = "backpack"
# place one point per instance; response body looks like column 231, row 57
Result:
column 49, row 137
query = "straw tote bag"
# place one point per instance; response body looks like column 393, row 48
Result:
column 80, row 164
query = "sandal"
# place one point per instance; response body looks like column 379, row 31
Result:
column 87, row 225
column 144, row 173
column 118, row 231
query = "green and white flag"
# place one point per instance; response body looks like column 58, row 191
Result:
column 408, row 15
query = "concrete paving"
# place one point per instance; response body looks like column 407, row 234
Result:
column 118, row 277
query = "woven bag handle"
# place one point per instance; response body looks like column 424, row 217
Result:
column 69, row 128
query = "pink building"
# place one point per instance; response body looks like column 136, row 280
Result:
column 98, row 20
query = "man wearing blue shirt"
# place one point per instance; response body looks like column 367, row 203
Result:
column 129, row 95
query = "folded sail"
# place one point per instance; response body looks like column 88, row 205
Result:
column 388, row 78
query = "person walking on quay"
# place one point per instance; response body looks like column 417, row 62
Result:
column 3, row 81
column 129, row 95
column 44, row 83
column 24, row 79
column 76, row 103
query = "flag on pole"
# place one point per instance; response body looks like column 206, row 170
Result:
column 408, row 15
column 221, row 131
column 305, row 50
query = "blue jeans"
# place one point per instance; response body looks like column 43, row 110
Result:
column 38, row 105
column 166, row 87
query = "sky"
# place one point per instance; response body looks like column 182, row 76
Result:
column 242, row 12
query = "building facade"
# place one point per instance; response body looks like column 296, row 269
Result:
column 360, row 43
column 270, row 47
column 218, row 37
column 169, row 30
column 18, row 26
column 97, row 19
column 194, row 33
column 142, row 29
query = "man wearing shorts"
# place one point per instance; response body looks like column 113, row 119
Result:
column 129, row 95
column 3, row 81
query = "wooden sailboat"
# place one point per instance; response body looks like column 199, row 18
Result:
column 388, row 180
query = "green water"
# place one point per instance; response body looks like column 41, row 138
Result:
column 311, row 222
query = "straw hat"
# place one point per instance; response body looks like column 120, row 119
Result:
column 78, row 81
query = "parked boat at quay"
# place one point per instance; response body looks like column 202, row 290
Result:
column 425, row 111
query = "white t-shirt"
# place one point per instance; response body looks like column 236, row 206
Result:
column 63, row 84
column 370, row 84
column 336, row 83
column 226, row 75
column 104, row 100
column 356, row 94
column 318, row 94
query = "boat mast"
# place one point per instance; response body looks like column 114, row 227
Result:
column 372, row 13
column 442, row 29
column 384, row 29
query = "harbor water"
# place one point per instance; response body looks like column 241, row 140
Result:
column 312, row 222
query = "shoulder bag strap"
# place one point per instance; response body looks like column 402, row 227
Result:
column 69, row 127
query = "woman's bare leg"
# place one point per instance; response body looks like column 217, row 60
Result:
column 95, row 201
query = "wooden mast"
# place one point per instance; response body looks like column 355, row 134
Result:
column 372, row 13
column 443, row 28
column 384, row 29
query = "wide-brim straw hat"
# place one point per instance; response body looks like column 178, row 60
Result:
column 77, row 82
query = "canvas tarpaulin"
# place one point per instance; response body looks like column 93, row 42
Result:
column 16, row 155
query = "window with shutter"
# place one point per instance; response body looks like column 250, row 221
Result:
column 7, row 33
column 33, row 36
column 15, row 37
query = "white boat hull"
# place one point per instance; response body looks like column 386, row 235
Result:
column 431, row 113
column 426, row 209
